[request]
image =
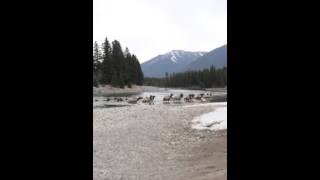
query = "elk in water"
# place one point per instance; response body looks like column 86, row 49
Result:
column 199, row 96
column 178, row 98
column 189, row 98
column 167, row 99
column 149, row 99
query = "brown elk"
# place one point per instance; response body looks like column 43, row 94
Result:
column 149, row 99
column 167, row 98
column 178, row 98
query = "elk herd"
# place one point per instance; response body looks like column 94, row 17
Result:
column 178, row 98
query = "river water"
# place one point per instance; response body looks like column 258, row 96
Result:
column 159, row 93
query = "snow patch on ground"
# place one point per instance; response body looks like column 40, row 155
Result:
column 215, row 120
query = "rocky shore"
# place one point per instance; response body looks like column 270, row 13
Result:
column 156, row 142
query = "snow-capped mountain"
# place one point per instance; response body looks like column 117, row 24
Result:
column 173, row 61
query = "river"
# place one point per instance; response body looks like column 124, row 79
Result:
column 159, row 93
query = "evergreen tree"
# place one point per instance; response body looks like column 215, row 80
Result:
column 118, row 62
column 127, row 53
column 127, row 75
column 114, row 80
column 140, row 75
column 134, row 69
column 117, row 68
column 121, row 80
column 107, row 63
column 167, row 79
column 96, row 57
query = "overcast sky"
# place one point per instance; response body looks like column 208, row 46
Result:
column 152, row 27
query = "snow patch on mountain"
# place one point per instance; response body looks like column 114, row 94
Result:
column 174, row 59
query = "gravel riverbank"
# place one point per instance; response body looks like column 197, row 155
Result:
column 156, row 142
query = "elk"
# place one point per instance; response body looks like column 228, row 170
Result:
column 189, row 98
column 178, row 98
column 199, row 96
column 108, row 99
column 118, row 99
column 167, row 98
column 149, row 99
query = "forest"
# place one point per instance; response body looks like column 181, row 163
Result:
column 112, row 65
column 206, row 78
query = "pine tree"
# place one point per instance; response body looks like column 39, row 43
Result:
column 114, row 81
column 96, row 56
column 140, row 74
column 118, row 62
column 117, row 68
column 121, row 80
column 107, row 63
column 127, row 53
column 127, row 75
column 167, row 79
column 137, row 74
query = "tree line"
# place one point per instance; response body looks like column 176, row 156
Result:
column 113, row 66
column 206, row 78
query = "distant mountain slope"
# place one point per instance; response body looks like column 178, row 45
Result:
column 216, row 57
column 173, row 61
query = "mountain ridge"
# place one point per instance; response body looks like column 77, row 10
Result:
column 217, row 57
column 176, row 61
column 170, row 62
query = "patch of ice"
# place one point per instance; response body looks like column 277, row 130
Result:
column 216, row 120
